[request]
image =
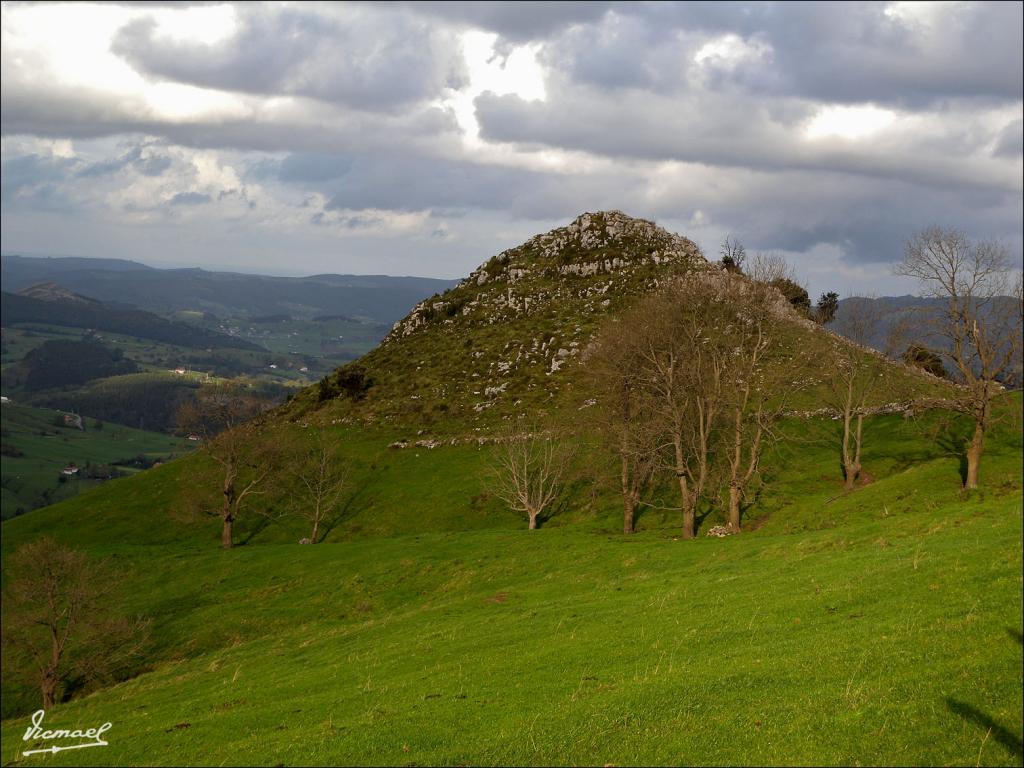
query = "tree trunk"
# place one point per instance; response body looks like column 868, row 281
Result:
column 734, row 507
column 316, row 527
column 533, row 520
column 974, row 457
column 227, row 514
column 628, row 499
column 684, row 493
column 858, row 441
column 49, row 690
column 688, row 522
column 849, row 472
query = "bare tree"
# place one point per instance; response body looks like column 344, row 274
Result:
column 683, row 370
column 662, row 360
column 59, row 626
column 623, row 412
column 769, row 268
column 979, row 326
column 756, row 391
column 733, row 254
column 853, row 377
column 773, row 269
column 227, row 419
column 528, row 471
column 322, row 473
column 687, row 385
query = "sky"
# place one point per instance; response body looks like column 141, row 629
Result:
column 422, row 138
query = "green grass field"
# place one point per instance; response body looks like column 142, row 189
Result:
column 881, row 626
column 34, row 477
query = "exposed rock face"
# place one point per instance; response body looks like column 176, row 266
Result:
column 525, row 279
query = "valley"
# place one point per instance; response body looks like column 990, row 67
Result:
column 133, row 367
column 47, row 458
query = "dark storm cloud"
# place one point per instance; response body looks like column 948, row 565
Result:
column 856, row 53
column 371, row 60
column 625, row 51
column 407, row 182
column 865, row 55
column 77, row 113
column 853, row 53
column 798, row 210
column 515, row 21
column 714, row 129
column 64, row 112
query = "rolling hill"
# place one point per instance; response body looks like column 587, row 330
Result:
column 878, row 625
column 51, row 304
column 377, row 298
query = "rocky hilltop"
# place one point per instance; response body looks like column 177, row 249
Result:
column 508, row 336
column 608, row 249
column 508, row 340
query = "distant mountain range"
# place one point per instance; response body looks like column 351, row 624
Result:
column 378, row 298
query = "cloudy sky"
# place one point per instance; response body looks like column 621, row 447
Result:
column 421, row 138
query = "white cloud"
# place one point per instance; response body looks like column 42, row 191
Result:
column 731, row 51
column 518, row 72
column 69, row 46
column 849, row 122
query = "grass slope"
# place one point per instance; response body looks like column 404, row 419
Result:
column 880, row 627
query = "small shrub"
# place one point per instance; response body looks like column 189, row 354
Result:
column 925, row 359
column 795, row 293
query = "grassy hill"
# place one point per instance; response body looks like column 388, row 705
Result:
column 510, row 340
column 880, row 626
column 36, row 449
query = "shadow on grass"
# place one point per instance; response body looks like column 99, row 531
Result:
column 1015, row 634
column 699, row 518
column 348, row 511
column 954, row 443
column 260, row 523
column 1007, row 738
